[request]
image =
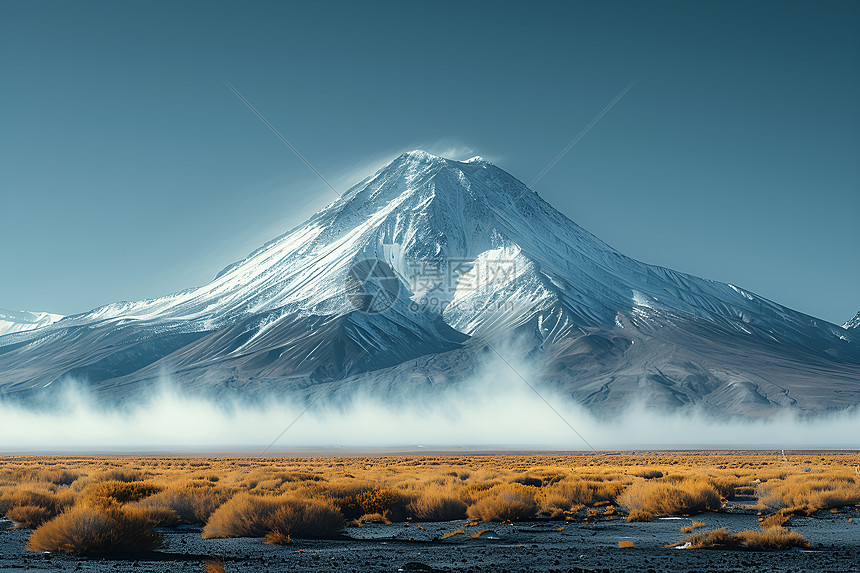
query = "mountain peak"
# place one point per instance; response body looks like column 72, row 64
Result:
column 420, row 157
column 466, row 250
column 421, row 154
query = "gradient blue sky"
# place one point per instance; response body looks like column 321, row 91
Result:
column 129, row 170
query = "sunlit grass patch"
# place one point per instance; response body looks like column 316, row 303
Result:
column 95, row 530
column 114, row 491
column 648, row 474
column 437, row 506
column 639, row 516
column 778, row 519
column 361, row 498
column 661, row 498
column 773, row 539
column 278, row 538
column 573, row 491
column 29, row 516
column 188, row 503
column 583, row 487
column 374, row 518
column 249, row 515
column 30, row 507
column 126, row 475
column 509, row 502
column 810, row 492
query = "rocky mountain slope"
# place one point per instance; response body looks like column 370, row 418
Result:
column 403, row 282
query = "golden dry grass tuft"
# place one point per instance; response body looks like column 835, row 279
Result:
column 190, row 504
column 507, row 502
column 569, row 492
column 114, row 491
column 31, row 507
column 126, row 475
column 810, row 492
column 96, row 530
column 29, row 516
column 249, row 515
column 40, row 475
column 437, row 506
column 778, row 519
column 639, row 516
column 657, row 497
column 277, row 538
column 648, row 474
column 34, row 496
column 374, row 518
column 354, row 499
column 773, row 539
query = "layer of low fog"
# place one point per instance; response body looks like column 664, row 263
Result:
column 495, row 410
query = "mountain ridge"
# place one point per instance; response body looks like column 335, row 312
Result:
column 22, row 320
column 581, row 305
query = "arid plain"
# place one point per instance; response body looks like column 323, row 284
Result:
column 430, row 512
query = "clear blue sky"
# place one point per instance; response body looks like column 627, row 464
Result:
column 129, row 170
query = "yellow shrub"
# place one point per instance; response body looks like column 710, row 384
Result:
column 90, row 530
column 119, row 474
column 637, row 515
column 648, row 474
column 569, row 492
column 249, row 515
column 661, row 498
column 119, row 491
column 778, row 519
column 189, row 504
column 774, row 539
column 51, row 503
column 355, row 500
column 810, row 492
column 437, row 506
column 29, row 516
column 509, row 502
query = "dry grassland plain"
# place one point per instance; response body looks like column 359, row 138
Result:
column 121, row 504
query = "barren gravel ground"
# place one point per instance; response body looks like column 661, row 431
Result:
column 531, row 546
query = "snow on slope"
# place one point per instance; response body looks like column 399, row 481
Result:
column 422, row 208
column 21, row 320
column 614, row 329
column 854, row 322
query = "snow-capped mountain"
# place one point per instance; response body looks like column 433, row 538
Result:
column 21, row 320
column 470, row 254
column 854, row 322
